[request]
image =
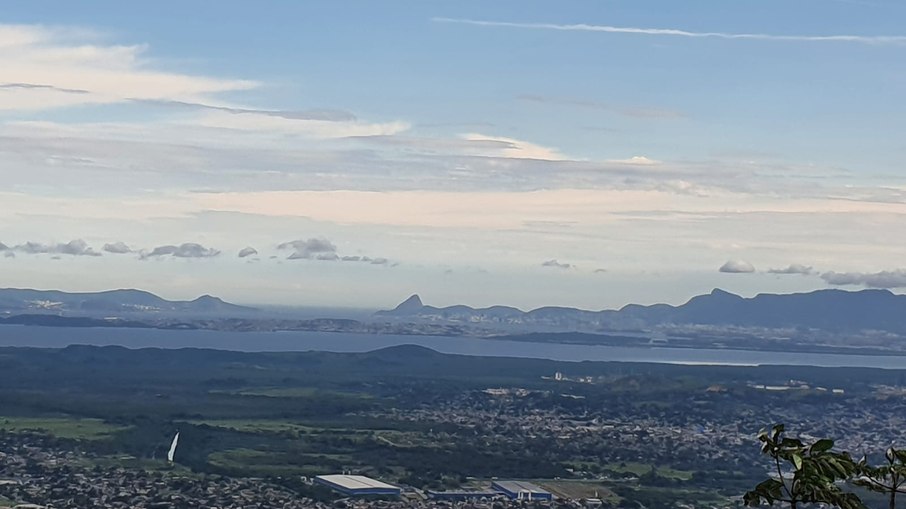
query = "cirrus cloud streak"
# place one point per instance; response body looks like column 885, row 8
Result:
column 673, row 32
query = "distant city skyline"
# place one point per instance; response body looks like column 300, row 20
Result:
column 586, row 153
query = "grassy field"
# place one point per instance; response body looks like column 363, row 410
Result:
column 61, row 427
column 651, row 496
column 644, row 468
column 132, row 463
column 393, row 438
column 293, row 392
column 257, row 425
column 249, row 458
column 278, row 463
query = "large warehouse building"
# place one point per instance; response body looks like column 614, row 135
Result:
column 357, row 485
column 521, row 490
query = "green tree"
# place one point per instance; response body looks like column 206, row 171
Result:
column 889, row 478
column 805, row 474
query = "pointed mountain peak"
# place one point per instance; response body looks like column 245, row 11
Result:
column 413, row 303
column 717, row 292
column 208, row 298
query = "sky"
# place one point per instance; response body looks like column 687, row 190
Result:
column 351, row 153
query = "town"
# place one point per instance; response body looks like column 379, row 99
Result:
column 270, row 430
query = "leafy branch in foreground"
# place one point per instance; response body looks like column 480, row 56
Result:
column 805, row 473
column 889, row 478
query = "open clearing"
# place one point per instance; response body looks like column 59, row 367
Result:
column 643, row 468
column 61, row 427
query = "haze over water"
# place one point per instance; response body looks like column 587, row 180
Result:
column 58, row 337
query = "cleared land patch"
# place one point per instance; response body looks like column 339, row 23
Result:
column 61, row 427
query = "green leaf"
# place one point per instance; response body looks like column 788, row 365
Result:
column 769, row 489
column 753, row 499
column 864, row 483
column 901, row 455
column 797, row 461
column 791, row 443
column 817, row 470
column 776, row 431
column 825, row 444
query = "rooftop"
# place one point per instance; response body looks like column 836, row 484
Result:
column 517, row 486
column 356, row 482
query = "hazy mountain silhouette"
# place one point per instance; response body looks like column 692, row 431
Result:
column 112, row 302
column 836, row 310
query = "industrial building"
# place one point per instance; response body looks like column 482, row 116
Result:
column 463, row 494
column 357, row 485
column 521, row 490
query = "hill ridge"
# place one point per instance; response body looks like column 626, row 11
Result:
column 823, row 309
column 121, row 301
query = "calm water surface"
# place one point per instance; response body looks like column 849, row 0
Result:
column 54, row 337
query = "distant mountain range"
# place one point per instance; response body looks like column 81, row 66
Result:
column 822, row 318
column 110, row 303
column 833, row 310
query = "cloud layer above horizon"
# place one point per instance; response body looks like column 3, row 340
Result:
column 119, row 153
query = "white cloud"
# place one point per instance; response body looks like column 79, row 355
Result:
column 636, row 161
column 582, row 27
column 76, row 247
column 557, row 265
column 365, row 259
column 311, row 249
column 117, row 248
column 322, row 249
column 512, row 148
column 261, row 122
column 505, row 209
column 795, row 268
column 185, row 250
column 884, row 279
column 428, row 194
column 637, row 222
column 737, row 267
column 46, row 68
column 247, row 251
column 182, row 155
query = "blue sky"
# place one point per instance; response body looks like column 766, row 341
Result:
column 526, row 153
